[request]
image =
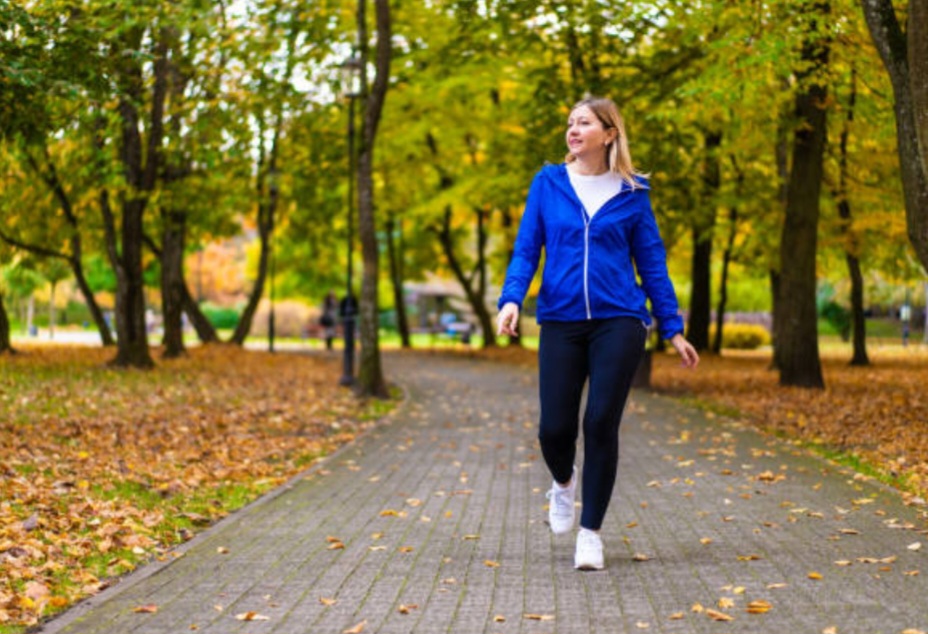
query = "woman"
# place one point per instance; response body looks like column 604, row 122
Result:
column 593, row 217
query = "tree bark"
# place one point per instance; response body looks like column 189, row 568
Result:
column 204, row 327
column 703, row 226
column 781, row 152
column 6, row 343
column 395, row 256
column 371, row 380
column 798, row 331
column 905, row 56
column 852, row 244
column 141, row 162
column 475, row 297
column 173, row 240
column 723, row 281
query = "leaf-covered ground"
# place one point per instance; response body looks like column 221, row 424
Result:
column 101, row 470
column 876, row 414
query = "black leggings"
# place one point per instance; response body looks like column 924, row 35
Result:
column 608, row 352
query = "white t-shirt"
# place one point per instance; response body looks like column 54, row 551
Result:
column 594, row 190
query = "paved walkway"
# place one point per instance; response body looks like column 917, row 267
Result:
column 434, row 523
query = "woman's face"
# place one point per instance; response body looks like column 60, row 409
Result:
column 586, row 137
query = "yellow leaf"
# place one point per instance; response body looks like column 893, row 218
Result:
column 388, row 513
column 539, row 617
column 499, row 618
column 327, row 601
column 726, row 602
column 715, row 615
column 470, row 537
column 149, row 608
column 815, row 576
column 489, row 563
column 676, row 616
column 406, row 549
column 697, row 608
column 252, row 616
column 759, row 607
column 406, row 609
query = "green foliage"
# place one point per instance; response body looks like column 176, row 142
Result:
column 221, row 318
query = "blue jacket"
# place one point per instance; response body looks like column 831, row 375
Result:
column 590, row 264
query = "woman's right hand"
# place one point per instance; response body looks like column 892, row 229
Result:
column 507, row 321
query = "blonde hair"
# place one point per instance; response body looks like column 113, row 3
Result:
column 618, row 156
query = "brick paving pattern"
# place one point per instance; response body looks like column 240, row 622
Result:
column 435, row 522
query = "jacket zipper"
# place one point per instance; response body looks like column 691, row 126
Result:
column 586, row 261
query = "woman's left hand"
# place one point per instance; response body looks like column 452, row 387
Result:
column 688, row 354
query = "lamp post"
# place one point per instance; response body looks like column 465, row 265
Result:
column 348, row 310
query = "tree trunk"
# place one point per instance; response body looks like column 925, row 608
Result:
column 781, row 152
column 6, row 343
column 395, row 255
column 204, row 327
column 172, row 281
column 798, row 332
column 371, row 380
column 474, row 297
column 141, row 163
column 723, row 281
column 267, row 206
column 852, row 244
column 508, row 225
column 905, row 56
column 480, row 306
column 701, row 296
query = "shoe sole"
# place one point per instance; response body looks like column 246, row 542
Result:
column 589, row 567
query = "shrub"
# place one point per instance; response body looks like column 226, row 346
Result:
column 743, row 336
column 221, row 318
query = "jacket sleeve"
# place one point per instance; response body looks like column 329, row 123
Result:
column 651, row 263
column 527, row 250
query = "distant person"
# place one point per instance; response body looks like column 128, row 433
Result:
column 592, row 216
column 328, row 318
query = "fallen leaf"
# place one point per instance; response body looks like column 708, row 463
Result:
column 406, row 609
column 327, row 601
column 252, row 616
column 539, row 617
column 915, row 547
column 499, row 618
column 470, row 537
column 715, row 615
column 149, row 608
column 357, row 629
column 759, row 607
column 676, row 616
column 641, row 557
column 817, row 576
column 642, row 625
column 489, row 563
column 725, row 603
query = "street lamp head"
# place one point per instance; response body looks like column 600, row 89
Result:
column 350, row 76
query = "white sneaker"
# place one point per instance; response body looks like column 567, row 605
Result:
column 561, row 505
column 589, row 554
